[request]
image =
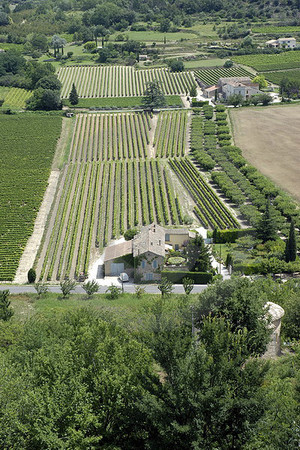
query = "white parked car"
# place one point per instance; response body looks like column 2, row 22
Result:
column 123, row 277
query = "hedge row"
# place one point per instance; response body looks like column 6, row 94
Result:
column 225, row 236
column 197, row 277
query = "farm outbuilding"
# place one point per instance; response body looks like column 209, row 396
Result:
column 115, row 261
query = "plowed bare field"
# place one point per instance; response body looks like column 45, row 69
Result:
column 270, row 140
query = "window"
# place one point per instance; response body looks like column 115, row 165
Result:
column 167, row 237
column 149, row 276
column 176, row 247
column 154, row 264
column 143, row 264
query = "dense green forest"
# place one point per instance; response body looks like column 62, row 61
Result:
column 71, row 16
column 150, row 372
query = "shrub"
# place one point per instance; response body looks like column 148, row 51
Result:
column 113, row 292
column 66, row 287
column 31, row 275
column 90, row 287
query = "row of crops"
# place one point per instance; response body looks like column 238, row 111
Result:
column 266, row 62
column 14, row 97
column 121, row 81
column 171, row 134
column 211, row 76
column 27, row 150
column 97, row 202
column 105, row 137
column 209, row 209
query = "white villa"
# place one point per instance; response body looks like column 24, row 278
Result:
column 282, row 43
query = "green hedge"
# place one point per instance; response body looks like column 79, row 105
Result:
column 225, row 236
column 196, row 103
column 177, row 277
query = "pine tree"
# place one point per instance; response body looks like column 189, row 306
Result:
column 266, row 229
column 291, row 245
column 73, row 95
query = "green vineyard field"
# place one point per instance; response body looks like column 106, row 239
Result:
column 285, row 60
column 170, row 134
column 27, row 150
column 104, row 137
column 14, row 97
column 276, row 77
column 211, row 76
column 120, row 81
column 112, row 182
column 96, row 203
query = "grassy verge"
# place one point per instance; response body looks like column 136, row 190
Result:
column 120, row 102
column 124, row 308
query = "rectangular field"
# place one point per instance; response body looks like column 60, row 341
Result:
column 27, row 150
column 261, row 63
column 271, row 29
column 106, row 137
column 276, row 77
column 211, row 76
column 119, row 102
column 270, row 140
column 121, row 81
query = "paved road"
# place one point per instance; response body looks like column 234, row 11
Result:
column 128, row 287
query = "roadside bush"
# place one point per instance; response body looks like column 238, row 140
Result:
column 178, row 276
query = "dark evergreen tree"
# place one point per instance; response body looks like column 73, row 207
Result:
column 266, row 229
column 6, row 312
column 153, row 96
column 291, row 245
column 198, row 255
column 73, row 95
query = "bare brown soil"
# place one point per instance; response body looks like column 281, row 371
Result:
column 270, row 140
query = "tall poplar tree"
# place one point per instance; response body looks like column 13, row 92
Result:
column 291, row 245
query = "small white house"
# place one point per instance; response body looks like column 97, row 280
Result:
column 282, row 43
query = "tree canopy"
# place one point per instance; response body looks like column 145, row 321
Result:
column 153, row 96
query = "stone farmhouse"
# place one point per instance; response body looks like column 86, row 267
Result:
column 282, row 43
column 237, row 85
column 145, row 253
column 230, row 86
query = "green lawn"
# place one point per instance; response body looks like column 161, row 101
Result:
column 120, row 102
column 155, row 36
column 198, row 63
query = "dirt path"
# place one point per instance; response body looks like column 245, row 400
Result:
column 153, row 125
column 33, row 243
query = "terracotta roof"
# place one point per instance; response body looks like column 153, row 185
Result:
column 118, row 250
column 211, row 88
column 150, row 239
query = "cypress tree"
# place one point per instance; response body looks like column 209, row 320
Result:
column 267, row 227
column 291, row 245
column 73, row 97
